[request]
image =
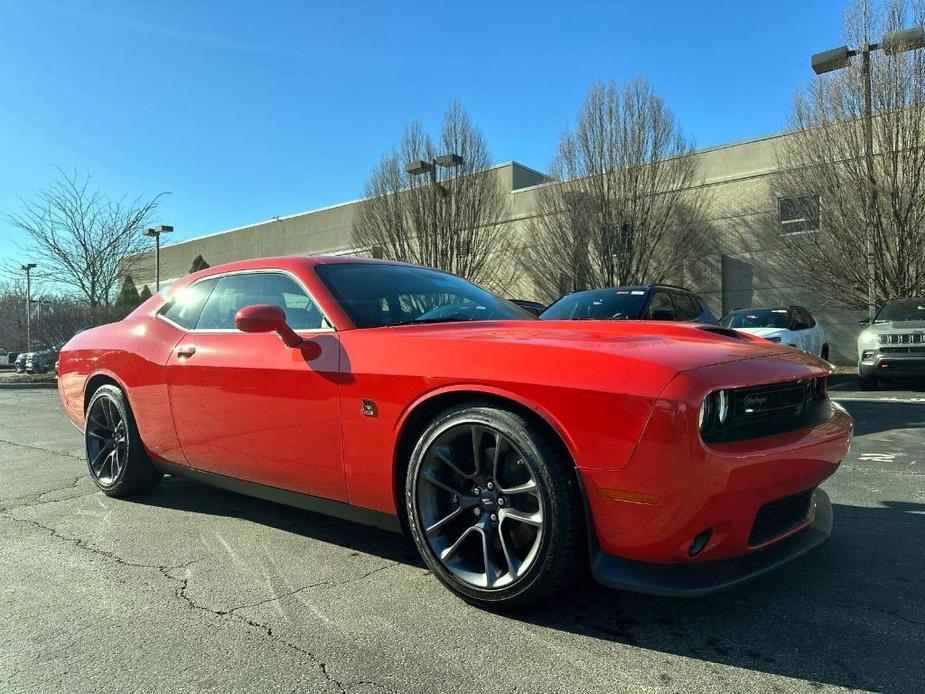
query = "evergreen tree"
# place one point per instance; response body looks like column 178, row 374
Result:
column 144, row 294
column 128, row 296
column 199, row 263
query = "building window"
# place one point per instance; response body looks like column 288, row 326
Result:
column 798, row 215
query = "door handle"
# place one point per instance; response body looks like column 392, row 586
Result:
column 186, row 351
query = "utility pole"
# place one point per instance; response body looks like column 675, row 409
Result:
column 156, row 233
column 836, row 59
column 28, row 267
column 421, row 166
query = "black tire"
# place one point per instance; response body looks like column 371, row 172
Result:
column 867, row 382
column 825, row 352
column 131, row 471
column 556, row 556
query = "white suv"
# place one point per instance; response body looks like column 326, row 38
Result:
column 793, row 326
column 893, row 346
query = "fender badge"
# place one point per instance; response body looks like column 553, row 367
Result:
column 368, row 408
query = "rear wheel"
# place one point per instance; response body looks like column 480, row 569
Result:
column 493, row 509
column 825, row 352
column 115, row 455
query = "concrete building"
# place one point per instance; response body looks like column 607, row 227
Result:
column 745, row 213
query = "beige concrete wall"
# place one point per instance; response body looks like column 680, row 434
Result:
column 739, row 272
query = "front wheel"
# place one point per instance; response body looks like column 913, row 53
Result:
column 494, row 508
column 115, row 455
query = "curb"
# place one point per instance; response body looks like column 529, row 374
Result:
column 28, row 386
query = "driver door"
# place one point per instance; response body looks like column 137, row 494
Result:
column 246, row 406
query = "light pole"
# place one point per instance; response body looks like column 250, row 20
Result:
column 28, row 267
column 156, row 233
column 421, row 166
column 836, row 59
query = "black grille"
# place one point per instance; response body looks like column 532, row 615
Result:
column 777, row 517
column 770, row 409
column 903, row 350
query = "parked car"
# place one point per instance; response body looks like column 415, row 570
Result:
column 509, row 447
column 42, row 361
column 20, row 364
column 532, row 307
column 652, row 302
column 793, row 326
column 893, row 346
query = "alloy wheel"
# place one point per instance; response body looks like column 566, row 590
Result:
column 480, row 507
column 107, row 440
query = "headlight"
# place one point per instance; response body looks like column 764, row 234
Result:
column 714, row 410
column 868, row 338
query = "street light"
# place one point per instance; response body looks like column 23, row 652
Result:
column 27, row 268
column 156, row 233
column 836, row 59
column 421, row 166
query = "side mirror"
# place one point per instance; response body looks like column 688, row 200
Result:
column 663, row 314
column 265, row 318
column 864, row 321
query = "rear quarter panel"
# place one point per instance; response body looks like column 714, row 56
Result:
column 133, row 353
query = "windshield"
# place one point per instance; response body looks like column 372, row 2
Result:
column 375, row 295
column 756, row 318
column 902, row 309
column 604, row 304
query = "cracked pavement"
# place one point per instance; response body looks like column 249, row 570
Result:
column 193, row 589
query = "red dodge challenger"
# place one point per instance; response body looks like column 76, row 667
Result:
column 675, row 458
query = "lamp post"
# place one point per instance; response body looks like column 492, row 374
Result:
column 836, row 59
column 156, row 233
column 421, row 166
column 27, row 268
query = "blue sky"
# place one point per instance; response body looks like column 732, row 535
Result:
column 245, row 111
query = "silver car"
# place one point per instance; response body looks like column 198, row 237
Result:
column 893, row 346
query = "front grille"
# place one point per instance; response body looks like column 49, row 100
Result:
column 780, row 516
column 771, row 409
column 903, row 350
column 902, row 339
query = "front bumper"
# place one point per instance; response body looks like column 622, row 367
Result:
column 894, row 365
column 702, row 578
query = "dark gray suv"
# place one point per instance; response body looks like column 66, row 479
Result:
column 651, row 302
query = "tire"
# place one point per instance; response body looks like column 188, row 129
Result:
column 116, row 456
column 825, row 352
column 867, row 382
column 527, row 523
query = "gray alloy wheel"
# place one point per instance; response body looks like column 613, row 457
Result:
column 480, row 506
column 493, row 508
column 116, row 456
column 107, row 440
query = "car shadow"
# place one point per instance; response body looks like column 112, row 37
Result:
column 849, row 614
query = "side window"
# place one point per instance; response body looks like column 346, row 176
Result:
column 802, row 319
column 661, row 308
column 186, row 305
column 686, row 306
column 234, row 292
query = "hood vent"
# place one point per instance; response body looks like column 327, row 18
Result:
column 725, row 332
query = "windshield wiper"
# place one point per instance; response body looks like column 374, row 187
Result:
column 423, row 321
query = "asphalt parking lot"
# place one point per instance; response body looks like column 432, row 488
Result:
column 193, row 589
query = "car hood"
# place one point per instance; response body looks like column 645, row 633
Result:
column 678, row 346
column 899, row 326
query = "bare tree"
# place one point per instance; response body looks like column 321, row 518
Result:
column 824, row 178
column 81, row 237
column 450, row 223
column 627, row 209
